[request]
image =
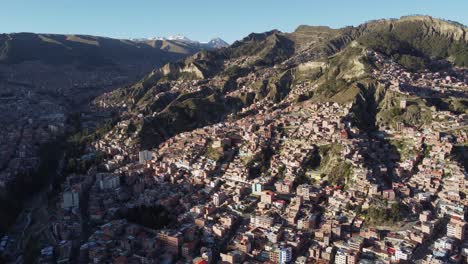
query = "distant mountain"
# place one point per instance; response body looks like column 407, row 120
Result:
column 215, row 43
column 87, row 51
column 66, row 62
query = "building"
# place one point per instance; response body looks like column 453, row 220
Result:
column 356, row 243
column 145, row 156
column 244, row 244
column 285, row 254
column 267, row 197
column 171, row 241
column 456, row 228
column 233, row 257
column 403, row 104
column 264, row 221
column 403, row 254
column 219, row 198
column 71, row 199
column 346, row 256
column 425, row 216
column 283, row 187
column 427, row 227
column 257, row 188
column 109, row 182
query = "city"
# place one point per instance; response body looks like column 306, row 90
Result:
column 315, row 146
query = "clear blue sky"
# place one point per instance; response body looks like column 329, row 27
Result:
column 205, row 19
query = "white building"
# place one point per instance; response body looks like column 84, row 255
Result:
column 403, row 254
column 71, row 199
column 444, row 243
column 145, row 156
column 219, row 198
column 285, row 254
column 109, row 182
column 257, row 188
column 340, row 257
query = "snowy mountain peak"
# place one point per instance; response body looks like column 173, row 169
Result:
column 180, row 38
column 215, row 43
column 218, row 43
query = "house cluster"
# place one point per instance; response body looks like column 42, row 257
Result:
column 283, row 184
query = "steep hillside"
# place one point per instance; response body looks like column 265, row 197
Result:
column 415, row 41
column 271, row 68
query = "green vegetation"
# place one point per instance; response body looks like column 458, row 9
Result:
column 346, row 78
column 179, row 76
column 279, row 86
column 412, row 63
column 459, row 51
column 76, row 144
column 459, row 105
column 340, row 173
column 308, row 75
column 259, row 163
column 269, row 48
column 154, row 217
column 416, row 114
column 379, row 214
column 332, row 86
column 328, row 152
column 235, row 71
column 213, row 153
column 331, row 166
column 460, row 154
column 405, row 148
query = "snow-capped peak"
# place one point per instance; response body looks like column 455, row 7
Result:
column 215, row 43
column 179, row 38
column 218, row 43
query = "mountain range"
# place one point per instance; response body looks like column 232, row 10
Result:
column 214, row 43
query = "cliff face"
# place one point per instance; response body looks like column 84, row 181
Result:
column 432, row 27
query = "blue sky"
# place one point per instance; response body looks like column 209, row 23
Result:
column 205, row 19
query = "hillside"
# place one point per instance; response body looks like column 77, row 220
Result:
column 334, row 64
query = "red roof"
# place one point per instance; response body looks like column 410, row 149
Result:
column 200, row 261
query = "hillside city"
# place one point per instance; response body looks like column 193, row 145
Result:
column 296, row 180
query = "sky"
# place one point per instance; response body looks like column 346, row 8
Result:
column 205, row 19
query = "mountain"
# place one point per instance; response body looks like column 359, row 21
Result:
column 267, row 68
column 215, row 43
column 84, row 51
